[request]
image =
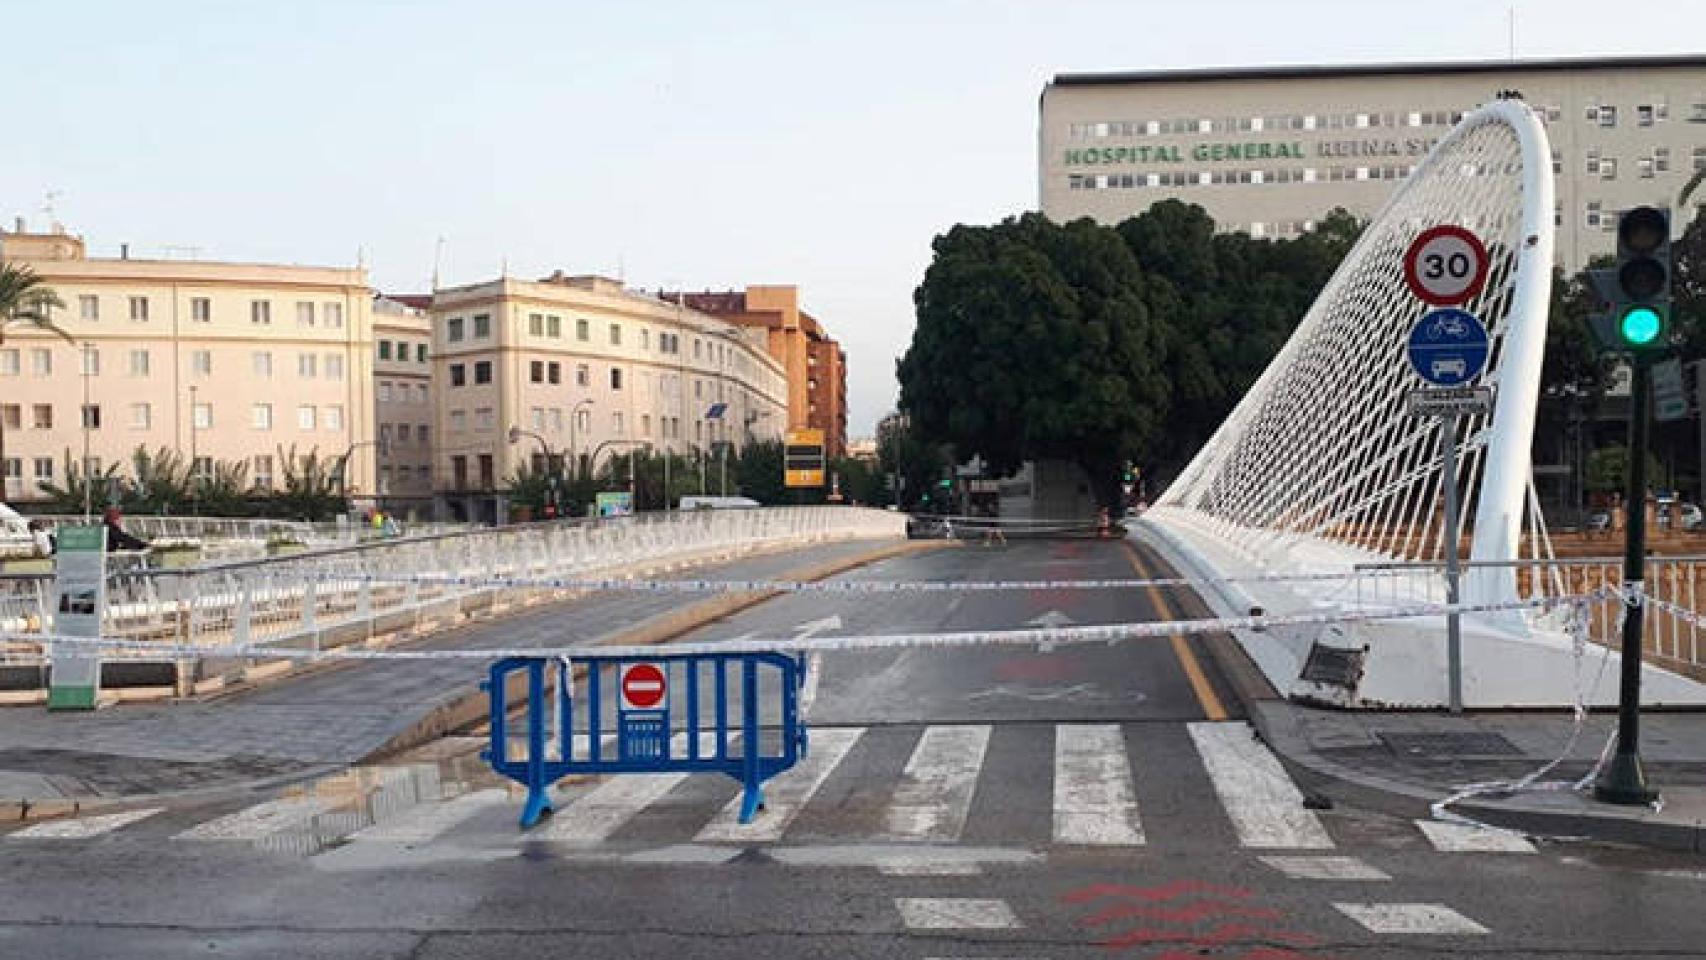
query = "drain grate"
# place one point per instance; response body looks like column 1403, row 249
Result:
column 1333, row 665
column 1449, row 744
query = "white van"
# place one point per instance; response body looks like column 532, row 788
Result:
column 718, row 503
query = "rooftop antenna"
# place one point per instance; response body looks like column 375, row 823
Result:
column 47, row 200
column 437, row 259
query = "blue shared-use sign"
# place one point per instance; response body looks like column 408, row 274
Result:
column 1448, row 347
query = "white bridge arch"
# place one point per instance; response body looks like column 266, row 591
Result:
column 1322, row 468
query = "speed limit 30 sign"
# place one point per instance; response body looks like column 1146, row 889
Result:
column 1446, row 265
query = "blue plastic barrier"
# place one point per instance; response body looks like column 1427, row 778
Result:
column 566, row 733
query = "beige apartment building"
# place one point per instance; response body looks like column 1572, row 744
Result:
column 219, row 361
column 1269, row 150
column 403, row 400
column 583, row 366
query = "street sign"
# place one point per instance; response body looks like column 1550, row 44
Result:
column 1448, row 347
column 803, row 459
column 1446, row 265
column 80, row 589
column 1439, row 401
column 1670, row 400
column 716, row 411
column 643, row 686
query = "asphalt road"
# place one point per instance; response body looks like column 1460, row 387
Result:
column 1090, row 801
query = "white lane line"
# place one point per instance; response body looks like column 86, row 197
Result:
column 83, row 828
column 930, row 868
column 258, row 821
column 1263, row 804
column 1093, row 799
column 934, row 795
column 1463, row 838
column 427, row 821
column 603, row 811
column 950, row 913
column 787, row 794
column 808, row 691
column 1423, row 918
column 1325, row 868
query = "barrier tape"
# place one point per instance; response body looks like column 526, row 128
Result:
column 617, row 584
column 1046, row 637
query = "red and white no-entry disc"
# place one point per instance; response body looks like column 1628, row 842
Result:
column 644, row 686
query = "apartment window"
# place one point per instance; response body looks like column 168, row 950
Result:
column 88, row 307
column 698, row 389
column 1644, row 167
column 458, row 375
column 483, row 371
column 557, row 419
column 583, row 329
column 12, row 416
column 11, row 468
column 139, row 363
column 1608, row 168
column 583, row 375
column 616, row 334
column 458, row 421
column 554, row 372
column 696, row 349
column 332, row 417
column 402, row 351
column 554, row 326
column 260, row 416
column 91, row 364
column 202, row 416
column 305, row 314
column 261, row 363
column 1608, row 116
column 536, row 324
column 583, row 419
column 201, row 363
column 536, row 371
column 305, row 417
column 41, row 416
column 91, row 416
column 263, row 472
column 141, row 416
column 11, row 363
column 421, row 394
column 1661, row 159
column 616, row 422
column 483, row 419
column 334, row 366
column 201, row 310
column 334, row 314
column 402, row 434
column 384, row 349
column 482, row 326
column 645, row 425
column 139, row 309
column 44, row 469
column 1699, row 158
column 260, row 312
column 488, row 477
column 1593, row 213
column 421, row 434
column 536, row 416
column 615, row 378
column 459, row 471
column 453, row 329
column 307, row 365
column 420, row 353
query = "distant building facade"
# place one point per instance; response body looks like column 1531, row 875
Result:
column 404, row 401
column 236, row 362
column 815, row 363
column 586, row 368
column 1270, row 150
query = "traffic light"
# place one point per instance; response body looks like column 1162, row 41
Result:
column 1637, row 289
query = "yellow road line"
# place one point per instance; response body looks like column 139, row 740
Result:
column 1212, row 708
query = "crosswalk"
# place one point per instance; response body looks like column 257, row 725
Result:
column 867, row 791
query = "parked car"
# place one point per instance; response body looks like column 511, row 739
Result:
column 928, row 528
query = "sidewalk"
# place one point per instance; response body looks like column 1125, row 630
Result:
column 1402, row 762
column 321, row 721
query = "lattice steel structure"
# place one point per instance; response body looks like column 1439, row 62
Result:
column 1322, row 448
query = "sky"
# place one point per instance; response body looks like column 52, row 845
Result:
column 706, row 145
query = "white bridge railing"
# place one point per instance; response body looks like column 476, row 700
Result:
column 315, row 598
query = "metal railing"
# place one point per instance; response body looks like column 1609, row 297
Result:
column 330, row 597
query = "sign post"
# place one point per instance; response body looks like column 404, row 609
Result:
column 1444, row 266
column 80, row 602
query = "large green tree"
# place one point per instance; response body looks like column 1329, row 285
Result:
column 1034, row 340
column 25, row 301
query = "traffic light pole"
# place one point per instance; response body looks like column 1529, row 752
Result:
column 1624, row 781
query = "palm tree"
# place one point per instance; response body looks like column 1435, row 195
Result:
column 26, row 301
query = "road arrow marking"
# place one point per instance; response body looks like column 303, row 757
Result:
column 815, row 627
column 1051, row 620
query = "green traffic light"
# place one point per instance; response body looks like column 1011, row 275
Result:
column 1640, row 326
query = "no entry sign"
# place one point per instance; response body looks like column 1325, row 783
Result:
column 1446, row 265
column 644, row 686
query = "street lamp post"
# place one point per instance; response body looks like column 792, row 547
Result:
column 574, row 416
column 88, row 481
column 195, row 484
column 515, row 435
